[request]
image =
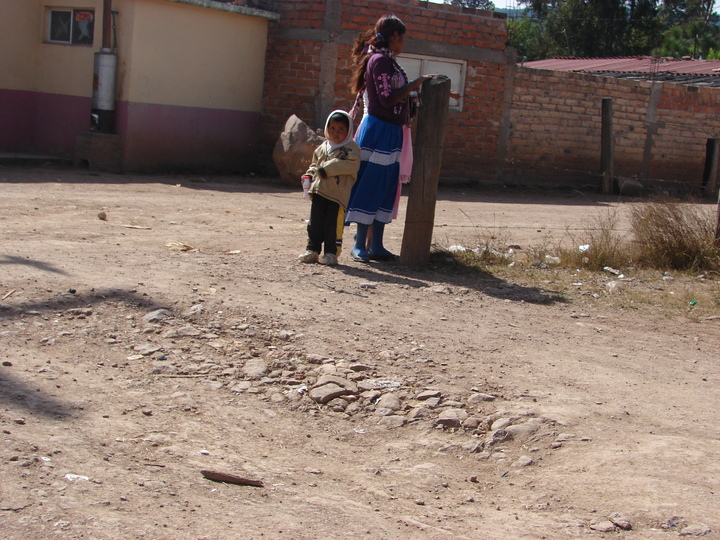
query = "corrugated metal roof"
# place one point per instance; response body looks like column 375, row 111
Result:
column 699, row 72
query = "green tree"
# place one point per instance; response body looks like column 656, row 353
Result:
column 478, row 4
column 695, row 39
column 527, row 36
column 597, row 28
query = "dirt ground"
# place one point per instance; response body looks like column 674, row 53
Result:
column 155, row 327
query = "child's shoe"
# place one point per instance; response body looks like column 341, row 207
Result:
column 309, row 257
column 329, row 258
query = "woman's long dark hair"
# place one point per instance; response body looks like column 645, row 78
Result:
column 377, row 37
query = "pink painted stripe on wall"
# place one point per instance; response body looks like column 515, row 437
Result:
column 39, row 122
column 166, row 137
column 17, row 120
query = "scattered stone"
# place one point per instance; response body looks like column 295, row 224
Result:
column 164, row 369
column 621, row 521
column 20, row 421
column 695, row 529
column 347, row 384
column 255, row 368
column 474, row 446
column 524, row 461
column 603, row 526
column 498, row 436
column 7, row 363
column 188, row 331
column 326, row 392
column 360, row 367
column 427, row 394
column 501, row 423
column 432, row 402
column 157, row 315
column 452, row 418
column 315, row 358
column 519, row 431
column 629, row 186
column 390, row 401
column 294, row 149
column 337, row 404
column 242, row 386
column 392, row 421
column 441, row 289
column 479, row 397
column 311, row 470
column 471, row 422
column 147, row 349
column 419, row 502
column 418, row 413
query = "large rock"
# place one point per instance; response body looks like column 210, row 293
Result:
column 294, row 149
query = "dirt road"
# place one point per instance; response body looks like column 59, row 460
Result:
column 156, row 327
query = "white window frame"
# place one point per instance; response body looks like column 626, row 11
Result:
column 457, row 85
column 71, row 11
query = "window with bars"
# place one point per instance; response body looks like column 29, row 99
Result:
column 71, row 26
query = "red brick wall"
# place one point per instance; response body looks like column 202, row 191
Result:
column 518, row 125
column 293, row 69
column 660, row 134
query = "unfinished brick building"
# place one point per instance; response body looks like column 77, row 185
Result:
column 308, row 70
column 513, row 125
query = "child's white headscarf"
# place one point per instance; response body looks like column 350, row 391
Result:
column 332, row 146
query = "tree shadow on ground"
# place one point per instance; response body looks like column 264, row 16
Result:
column 70, row 299
column 432, row 276
column 9, row 259
column 15, row 392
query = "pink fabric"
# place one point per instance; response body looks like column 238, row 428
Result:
column 406, row 163
column 406, row 156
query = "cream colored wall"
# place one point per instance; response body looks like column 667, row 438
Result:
column 191, row 56
column 19, row 40
column 168, row 53
column 68, row 69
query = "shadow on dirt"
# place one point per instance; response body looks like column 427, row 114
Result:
column 70, row 299
column 9, row 259
column 14, row 392
column 478, row 281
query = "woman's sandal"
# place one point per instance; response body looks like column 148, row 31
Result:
column 359, row 256
column 385, row 257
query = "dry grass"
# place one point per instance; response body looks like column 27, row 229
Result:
column 668, row 261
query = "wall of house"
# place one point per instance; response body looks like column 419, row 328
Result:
column 189, row 83
column 191, row 86
column 45, row 88
column 308, row 69
column 660, row 129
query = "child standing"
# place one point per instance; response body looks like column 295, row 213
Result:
column 332, row 174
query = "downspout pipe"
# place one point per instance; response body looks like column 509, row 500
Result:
column 104, row 78
column 107, row 25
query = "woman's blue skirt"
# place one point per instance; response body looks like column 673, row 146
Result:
column 373, row 195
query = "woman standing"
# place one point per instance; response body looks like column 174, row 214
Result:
column 385, row 89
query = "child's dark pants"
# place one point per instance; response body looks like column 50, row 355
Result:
column 322, row 228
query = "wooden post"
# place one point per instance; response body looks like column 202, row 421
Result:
column 709, row 181
column 607, row 149
column 427, row 159
column 717, row 224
